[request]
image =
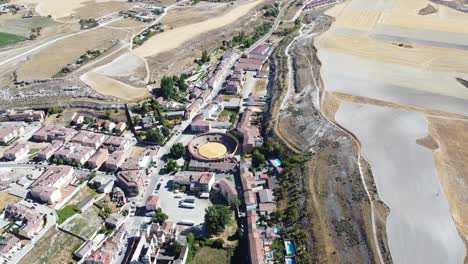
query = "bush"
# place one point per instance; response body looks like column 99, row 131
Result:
column 55, row 110
column 160, row 216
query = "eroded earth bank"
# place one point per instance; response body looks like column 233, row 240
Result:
column 383, row 119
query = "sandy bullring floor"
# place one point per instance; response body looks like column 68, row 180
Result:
column 212, row 150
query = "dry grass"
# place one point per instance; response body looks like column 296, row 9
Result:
column 173, row 39
column 211, row 255
column 55, row 247
column 60, row 8
column 6, row 198
column 452, row 165
column 260, row 87
column 50, row 60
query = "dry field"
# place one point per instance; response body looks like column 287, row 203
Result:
column 55, row 247
column 173, row 39
column 396, row 70
column 6, row 198
column 60, row 8
column 452, row 164
column 52, row 59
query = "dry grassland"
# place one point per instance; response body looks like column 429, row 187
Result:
column 60, row 8
column 173, row 39
column 452, row 165
column 55, row 247
column 185, row 15
column 427, row 57
column 6, row 198
column 52, row 59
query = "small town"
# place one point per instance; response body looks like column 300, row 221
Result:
column 233, row 131
column 143, row 184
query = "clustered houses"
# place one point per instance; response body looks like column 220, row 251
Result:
column 250, row 133
column 132, row 175
column 206, row 121
column 50, row 133
column 106, row 254
column 259, row 200
column 222, row 69
column 51, row 186
column 248, row 62
column 74, row 153
column 82, row 147
column 10, row 132
column 145, row 248
column 196, row 181
column 27, row 116
column 17, row 152
column 99, row 124
column 31, row 221
column 8, row 246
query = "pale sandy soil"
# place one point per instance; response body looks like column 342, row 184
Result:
column 452, row 164
column 174, row 38
column 108, row 86
column 383, row 50
column 420, row 227
column 59, row 8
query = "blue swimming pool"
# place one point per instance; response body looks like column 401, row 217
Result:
column 290, row 247
column 276, row 162
column 290, row 260
column 276, row 230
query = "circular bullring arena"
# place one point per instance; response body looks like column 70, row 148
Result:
column 213, row 146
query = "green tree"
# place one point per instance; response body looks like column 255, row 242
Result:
column 55, row 110
column 155, row 136
column 177, row 151
column 181, row 84
column 258, row 158
column 168, row 89
column 235, row 204
column 160, row 216
column 171, row 166
column 108, row 114
column 216, row 218
column 205, row 57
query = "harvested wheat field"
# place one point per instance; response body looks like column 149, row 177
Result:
column 51, row 59
column 172, row 39
column 60, row 8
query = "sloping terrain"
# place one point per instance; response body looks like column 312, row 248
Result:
column 393, row 75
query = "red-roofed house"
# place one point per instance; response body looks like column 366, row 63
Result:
column 152, row 203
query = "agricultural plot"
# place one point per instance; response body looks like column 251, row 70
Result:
column 9, row 39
